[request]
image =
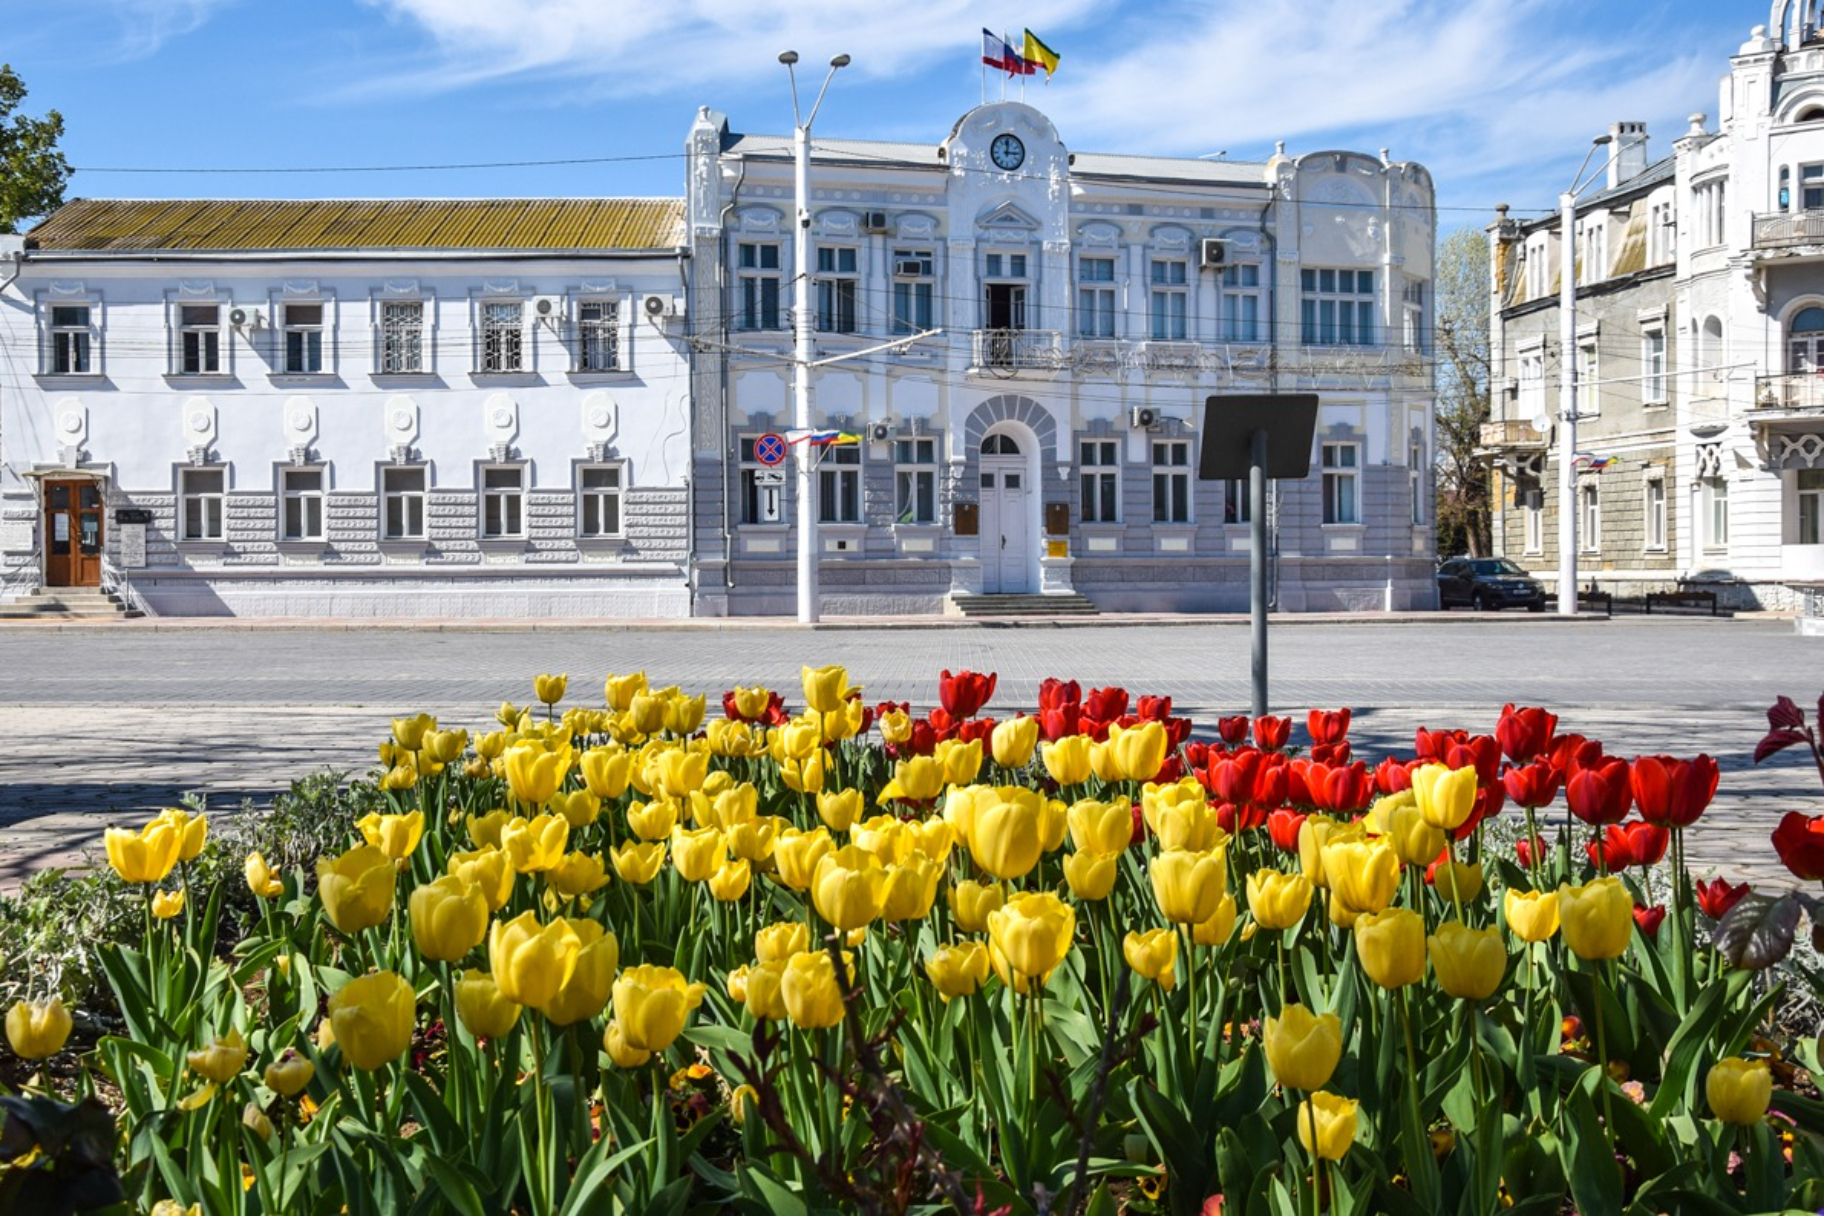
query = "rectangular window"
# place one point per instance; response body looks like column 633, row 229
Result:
column 1004, row 266
column 1529, row 496
column 1716, row 512
column 301, row 504
column 762, row 487
column 1811, row 185
column 1412, row 310
column 70, row 338
column 598, row 336
column 1095, row 297
column 1593, row 261
column 1172, row 482
column 1653, row 367
column 401, row 337
column 1170, row 300
column 1532, row 384
column 1589, row 529
column 915, row 481
column 1100, row 461
column 1656, row 514
column 1241, row 302
column 1415, row 473
column 758, row 270
column 1336, row 307
column 912, row 271
column 839, row 485
column 200, row 495
column 1710, row 203
column 836, row 285
column 503, row 501
column 1341, row 503
column 303, row 339
column 1589, row 395
column 503, row 336
column 199, row 339
column 402, row 502
column 1662, row 235
column 1811, row 506
column 598, row 490
column 1236, row 506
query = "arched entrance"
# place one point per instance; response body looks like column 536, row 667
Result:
column 1009, row 476
column 1805, row 340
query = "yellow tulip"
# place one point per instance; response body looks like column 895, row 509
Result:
column 1013, row 741
column 1153, row 955
column 1216, row 930
column 192, row 830
column 734, row 805
column 798, row 739
column 796, row 854
column 409, row 732
column 606, row 771
column 534, row 774
column 619, row 691
column 373, row 1018
column 220, row 1059
column 537, row 844
column 844, row 723
column 813, row 999
column 849, row 887
column 697, row 852
column 680, row 773
column 1104, row 764
column 1739, row 1090
column 1597, row 919
column 651, row 1005
column 911, row 888
column 147, row 855
column 1188, row 886
column 1033, row 933
column 959, row 808
column 394, row 835
column 578, row 808
column 803, row 776
column 1005, row 837
column 958, row 969
column 356, row 888
column 577, row 874
column 1276, row 900
column 530, row 961
column 1390, row 946
column 1316, row 832
column 37, row 1030
column 1468, row 963
column 480, row 1007
column 1379, row 819
column 1446, row 797
column 1334, row 1121
column 960, row 761
column 915, row 779
column 1139, row 751
column 167, row 904
column 489, row 870
column 171, row 1207
column 781, row 940
column 585, row 993
column 971, row 902
column 549, row 688
column 444, row 746
column 289, row 1074
column 825, row 688
column 932, row 837
column 638, row 864
column 1091, row 875
column 756, row 840
column 1364, row 877
column 1413, row 840
column 1457, row 880
column 1532, row 916
column 1067, row 759
column 254, row 1120
column 1303, row 1047
column 731, row 880
column 765, row 998
column 653, row 820
column 485, row 830
column 614, row 1042
column 262, row 880
column 646, row 714
column 1100, row 827
column 1189, row 826
column 449, row 918
column 402, row 776
column 839, row 809
column 752, row 702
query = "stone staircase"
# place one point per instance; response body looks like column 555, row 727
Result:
column 66, row 604
column 988, row 607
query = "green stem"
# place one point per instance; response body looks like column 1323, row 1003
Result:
column 1317, row 1160
column 1602, row 1053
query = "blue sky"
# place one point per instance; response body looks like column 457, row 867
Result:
column 1497, row 97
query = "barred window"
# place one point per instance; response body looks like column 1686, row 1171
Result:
column 598, row 336
column 503, row 337
column 401, row 337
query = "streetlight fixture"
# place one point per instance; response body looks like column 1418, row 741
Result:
column 801, row 325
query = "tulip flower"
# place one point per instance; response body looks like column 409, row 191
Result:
column 697, row 853
column 971, row 902
column 490, row 871
column 1303, row 1047
column 1334, row 1121
column 1013, row 741
column 1469, row 963
column 638, row 863
column 1799, row 840
column 1316, row 832
column 192, row 830
column 356, row 888
column 373, row 1018
column 1276, row 900
column 962, row 695
column 443, row 746
column 534, row 774
column 1648, row 919
column 1446, row 796
column 651, row 1005
column 731, row 880
column 1673, row 793
column 959, row 969
column 261, row 879
column 1091, row 875
column 530, row 961
column 755, row 840
column 1597, row 918
column 394, row 835
column 408, row 733
column 765, row 993
column 1390, row 946
column 148, row 855
column 915, row 779
column 1221, row 924
column 449, row 918
column 796, row 854
column 959, row 759
column 813, row 999
column 1413, row 840
column 683, row 715
column 1283, row 827
column 1067, row 759
column 911, row 888
column 37, row 1030
column 1033, row 932
column 1363, row 876
column 1187, row 886
column 606, row 771
column 1005, row 834
column 781, row 941
column 481, row 1008
column 1153, row 955
column 1270, row 733
column 1327, row 726
column 289, row 1074
column 578, row 808
column 1599, row 793
column 849, row 888
column 1629, row 844
column 1181, row 819
column 549, row 688
column 1716, row 897
column 167, row 904
column 220, row 1059
column 1533, row 785
column 254, row 1120
column 484, row 830
column 1739, row 1090
column 1457, row 881
column 585, row 992
column 1525, row 734
column 825, row 688
column 535, row 845
column 577, row 874
column 935, row 837
column 1232, row 730
column 1532, row 916
column 839, row 809
column 803, row 776
column 1139, row 751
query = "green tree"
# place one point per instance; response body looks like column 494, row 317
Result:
column 1461, row 290
column 32, row 171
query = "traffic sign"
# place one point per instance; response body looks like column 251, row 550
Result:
column 769, row 449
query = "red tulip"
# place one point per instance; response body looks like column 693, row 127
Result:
column 1105, row 704
column 1154, row 709
column 1327, row 726
column 1331, row 753
column 1432, row 744
column 1631, row 844
column 1391, row 776
column 1055, row 693
column 1270, row 733
column 964, row 693
column 1170, row 771
column 975, row 728
column 1648, row 918
column 1716, row 897
column 1282, row 826
column 1298, row 791
column 1270, row 781
column 1799, row 840
column 1673, row 792
column 1232, row 730
column 1525, row 734
column 1198, row 755
column 1533, row 786
column 943, row 722
column 1232, row 777
column 1481, row 751
column 1489, row 801
column 1526, row 850
column 1342, row 790
column 1139, row 833
column 1573, row 751
column 1598, row 793
column 923, row 741
column 1234, row 817
column 1060, row 722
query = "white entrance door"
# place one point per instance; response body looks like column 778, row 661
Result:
column 1007, row 565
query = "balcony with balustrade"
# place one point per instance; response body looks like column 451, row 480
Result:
column 1009, row 352
column 1789, row 234
column 1511, row 434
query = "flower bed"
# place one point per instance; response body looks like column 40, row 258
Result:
column 835, row 957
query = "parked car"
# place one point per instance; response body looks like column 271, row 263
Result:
column 1487, row 584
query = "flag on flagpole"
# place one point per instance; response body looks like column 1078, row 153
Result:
column 997, row 52
column 1038, row 55
column 822, row 438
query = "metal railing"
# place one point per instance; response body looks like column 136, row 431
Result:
column 114, row 581
column 1793, row 391
column 1786, row 229
column 1017, row 349
column 1511, row 433
column 23, row 580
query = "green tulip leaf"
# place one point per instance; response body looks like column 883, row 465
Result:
column 1589, row 1160
column 1758, row 931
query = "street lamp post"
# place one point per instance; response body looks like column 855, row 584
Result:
column 801, row 326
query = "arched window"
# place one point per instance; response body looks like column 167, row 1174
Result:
column 1805, row 340
column 1000, row 445
column 1710, row 345
column 1810, row 114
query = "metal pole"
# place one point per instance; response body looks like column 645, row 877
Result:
column 801, row 377
column 1257, row 564
column 1567, row 405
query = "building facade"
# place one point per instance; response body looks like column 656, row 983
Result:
column 351, row 409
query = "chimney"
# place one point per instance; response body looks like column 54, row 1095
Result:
column 1629, row 147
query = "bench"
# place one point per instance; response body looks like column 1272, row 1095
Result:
column 1682, row 599
column 1589, row 599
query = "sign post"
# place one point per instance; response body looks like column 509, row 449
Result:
column 1253, row 437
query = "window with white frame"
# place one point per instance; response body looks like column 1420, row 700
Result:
column 1589, row 506
column 1811, row 506
column 1714, row 494
column 1811, row 187
column 1171, row 481
column 303, row 336
column 1237, row 506
column 401, row 337
column 1241, row 302
column 1095, row 297
column 1170, row 300
column 200, row 495
column 915, row 480
column 598, row 336
column 1538, row 254
column 912, row 282
column 1416, row 481
column 402, row 502
column 503, row 336
column 1709, row 202
column 301, row 504
column 1655, row 509
column 836, row 287
column 1653, row 365
column 1412, row 315
column 1662, row 234
column 1529, row 497
column 1532, row 383
column 1336, row 307
column 839, row 484
column 598, row 494
column 757, row 269
column 1342, row 489
column 762, row 486
column 1100, row 478
column 1589, row 398
column 1004, row 266
column 70, row 341
column 199, row 339
column 503, row 501
column 1593, row 256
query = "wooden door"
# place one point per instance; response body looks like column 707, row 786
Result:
column 72, row 533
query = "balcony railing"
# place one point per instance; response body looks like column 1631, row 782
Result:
column 1511, row 433
column 1788, row 229
column 1018, row 349
column 1794, row 391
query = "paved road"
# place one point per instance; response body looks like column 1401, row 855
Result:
column 105, row 724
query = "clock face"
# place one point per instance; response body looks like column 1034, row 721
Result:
column 1007, row 152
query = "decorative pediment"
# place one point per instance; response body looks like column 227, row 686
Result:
column 758, row 219
column 1008, row 218
column 917, row 227
column 1099, row 235
column 1170, row 237
column 838, row 223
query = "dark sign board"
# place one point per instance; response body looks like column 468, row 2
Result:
column 132, row 515
column 1229, row 423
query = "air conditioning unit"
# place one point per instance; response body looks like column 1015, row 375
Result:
column 547, row 308
column 1144, row 417
column 881, row 432
column 875, row 221
column 242, row 317
column 659, row 307
column 909, row 268
column 1213, row 253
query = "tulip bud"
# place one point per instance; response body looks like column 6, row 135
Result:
column 1091, row 875
column 1006, row 837
column 1013, row 741
column 167, row 904
column 813, row 999
column 959, row 969
column 825, row 688
column 1216, row 930
column 1446, row 796
column 1334, row 1121
column 971, row 902
column 1468, row 963
column 480, row 1007
column 1188, row 886
column 1597, row 919
column 1532, row 916
column 1153, row 955
column 1276, row 900
column 261, row 880
column 373, row 1018
column 394, row 835
column 289, row 1074
column 1390, row 946
column 1302, row 1047
column 254, row 1120
column 356, row 888
column 220, row 1059
column 530, row 961
column 36, row 1031
column 1067, row 759
column 1739, row 1090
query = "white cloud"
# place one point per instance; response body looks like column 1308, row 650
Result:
column 118, row 31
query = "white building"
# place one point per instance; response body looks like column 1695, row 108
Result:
column 353, row 409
